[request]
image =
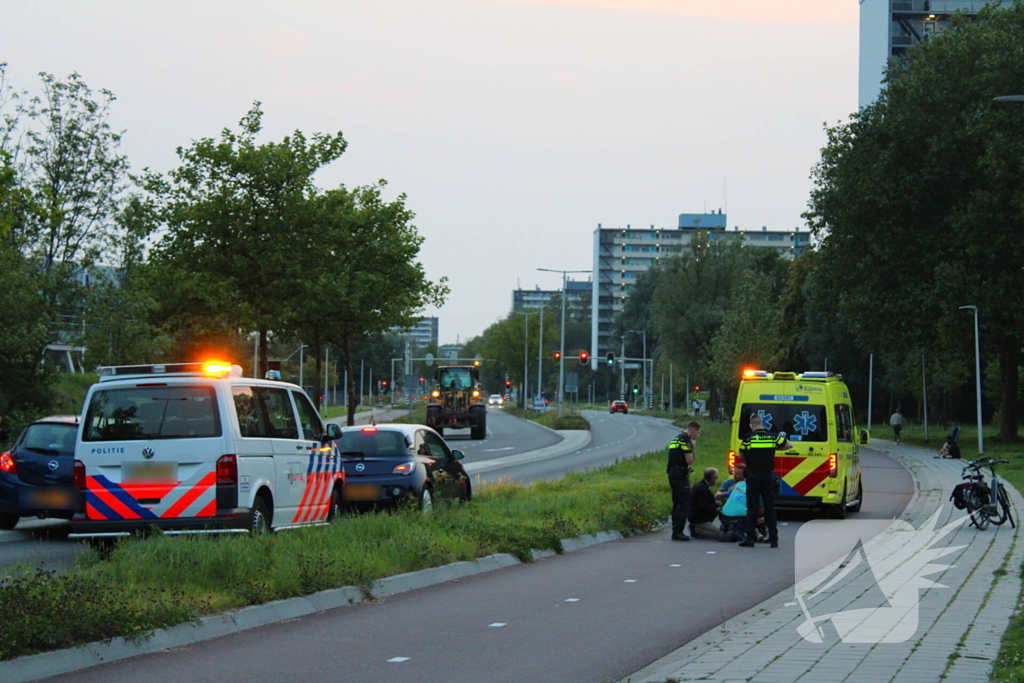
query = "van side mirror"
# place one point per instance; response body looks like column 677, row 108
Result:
column 333, row 432
column 865, row 437
column 458, row 455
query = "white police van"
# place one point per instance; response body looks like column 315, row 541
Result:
column 198, row 447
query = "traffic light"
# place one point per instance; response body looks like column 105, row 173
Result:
column 696, row 388
column 610, row 359
column 636, row 388
column 508, row 383
column 584, row 357
column 557, row 355
column 384, row 386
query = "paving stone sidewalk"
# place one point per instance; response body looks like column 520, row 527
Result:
column 958, row 628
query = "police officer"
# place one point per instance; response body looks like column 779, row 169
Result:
column 758, row 452
column 680, row 464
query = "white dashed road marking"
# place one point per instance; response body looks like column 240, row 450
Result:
column 572, row 599
column 398, row 660
column 496, row 624
column 629, row 581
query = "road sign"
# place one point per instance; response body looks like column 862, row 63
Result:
column 631, row 366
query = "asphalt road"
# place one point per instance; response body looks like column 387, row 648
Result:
column 592, row 615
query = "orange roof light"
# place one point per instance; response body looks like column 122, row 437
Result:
column 754, row 373
column 217, row 368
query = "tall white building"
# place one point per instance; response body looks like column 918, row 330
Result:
column 621, row 255
column 889, row 27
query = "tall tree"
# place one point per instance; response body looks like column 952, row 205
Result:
column 361, row 275
column 235, row 211
column 917, row 200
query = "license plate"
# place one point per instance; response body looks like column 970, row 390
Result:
column 51, row 498
column 361, row 492
column 149, row 472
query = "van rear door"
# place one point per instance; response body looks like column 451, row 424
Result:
column 140, row 447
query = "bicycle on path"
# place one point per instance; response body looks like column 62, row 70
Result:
column 984, row 503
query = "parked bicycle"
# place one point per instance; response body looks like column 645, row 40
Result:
column 985, row 503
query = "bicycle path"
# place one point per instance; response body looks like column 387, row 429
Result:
column 960, row 623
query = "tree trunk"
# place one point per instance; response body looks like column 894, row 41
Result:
column 1008, row 359
column 350, row 389
column 264, row 364
column 318, row 388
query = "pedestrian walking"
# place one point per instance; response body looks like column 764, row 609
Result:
column 758, row 452
column 896, row 421
column 680, row 463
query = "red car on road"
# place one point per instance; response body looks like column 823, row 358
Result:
column 619, row 407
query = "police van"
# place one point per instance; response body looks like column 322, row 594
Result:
column 814, row 409
column 198, row 447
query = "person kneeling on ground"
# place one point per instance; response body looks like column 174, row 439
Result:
column 703, row 508
column 734, row 513
column 950, row 449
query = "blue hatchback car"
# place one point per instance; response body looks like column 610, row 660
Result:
column 37, row 474
column 391, row 463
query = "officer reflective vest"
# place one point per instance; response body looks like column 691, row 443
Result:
column 678, row 449
column 758, row 450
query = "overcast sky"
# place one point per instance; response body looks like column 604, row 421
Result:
column 514, row 126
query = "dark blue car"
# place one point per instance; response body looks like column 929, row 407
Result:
column 386, row 465
column 37, row 474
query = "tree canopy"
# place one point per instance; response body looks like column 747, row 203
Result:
column 919, row 199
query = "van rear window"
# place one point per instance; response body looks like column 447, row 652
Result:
column 800, row 421
column 138, row 413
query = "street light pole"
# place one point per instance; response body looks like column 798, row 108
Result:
column 561, row 359
column 526, row 351
column 977, row 372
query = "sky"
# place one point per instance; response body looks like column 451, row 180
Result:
column 513, row 127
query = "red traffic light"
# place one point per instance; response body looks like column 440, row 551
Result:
column 557, row 355
column 584, row 357
column 508, row 383
column 696, row 388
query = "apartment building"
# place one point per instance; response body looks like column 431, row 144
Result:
column 621, row 255
column 888, row 28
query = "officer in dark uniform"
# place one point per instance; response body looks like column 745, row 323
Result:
column 758, row 452
column 680, row 464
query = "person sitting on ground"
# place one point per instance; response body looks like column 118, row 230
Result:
column 950, row 449
column 703, row 508
column 734, row 513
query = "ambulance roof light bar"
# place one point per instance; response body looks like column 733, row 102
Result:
column 817, row 374
column 750, row 374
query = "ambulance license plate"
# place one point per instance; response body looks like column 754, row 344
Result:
column 361, row 492
column 149, row 472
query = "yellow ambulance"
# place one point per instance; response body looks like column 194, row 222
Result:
column 814, row 409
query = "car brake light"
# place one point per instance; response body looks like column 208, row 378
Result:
column 79, row 475
column 833, row 465
column 227, row 470
column 369, row 429
column 7, row 464
column 404, row 468
column 732, row 462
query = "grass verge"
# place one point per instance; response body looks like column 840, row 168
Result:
column 140, row 585
column 550, row 418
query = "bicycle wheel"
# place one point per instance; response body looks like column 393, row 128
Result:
column 975, row 509
column 1004, row 505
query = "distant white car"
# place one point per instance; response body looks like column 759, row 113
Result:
column 495, row 400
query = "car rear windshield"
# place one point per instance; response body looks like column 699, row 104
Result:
column 167, row 412
column 49, row 438
column 381, row 443
column 800, row 421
